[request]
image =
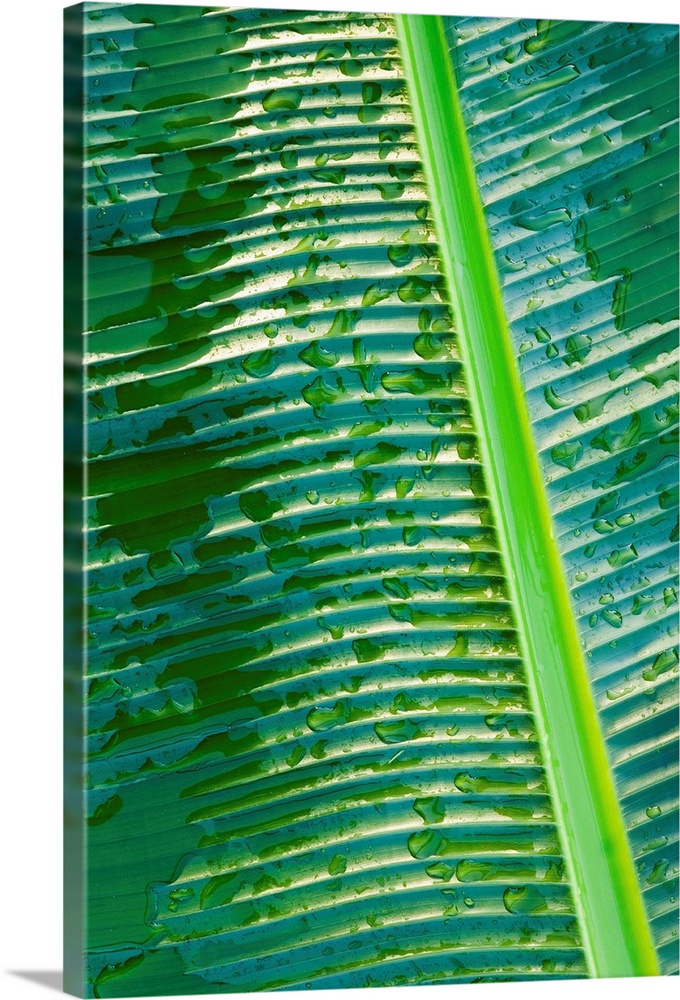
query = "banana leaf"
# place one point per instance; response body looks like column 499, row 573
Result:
column 379, row 500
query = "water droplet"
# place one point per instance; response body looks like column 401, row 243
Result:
column 337, row 865
column 524, row 900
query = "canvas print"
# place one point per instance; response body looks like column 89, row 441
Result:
column 371, row 427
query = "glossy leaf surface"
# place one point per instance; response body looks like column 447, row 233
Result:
column 573, row 129
column 312, row 756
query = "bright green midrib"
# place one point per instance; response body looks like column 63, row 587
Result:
column 616, row 936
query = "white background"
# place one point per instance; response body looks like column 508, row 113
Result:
column 30, row 397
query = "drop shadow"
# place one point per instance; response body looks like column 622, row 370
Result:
column 51, row 980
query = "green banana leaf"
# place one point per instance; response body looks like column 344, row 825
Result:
column 380, row 501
